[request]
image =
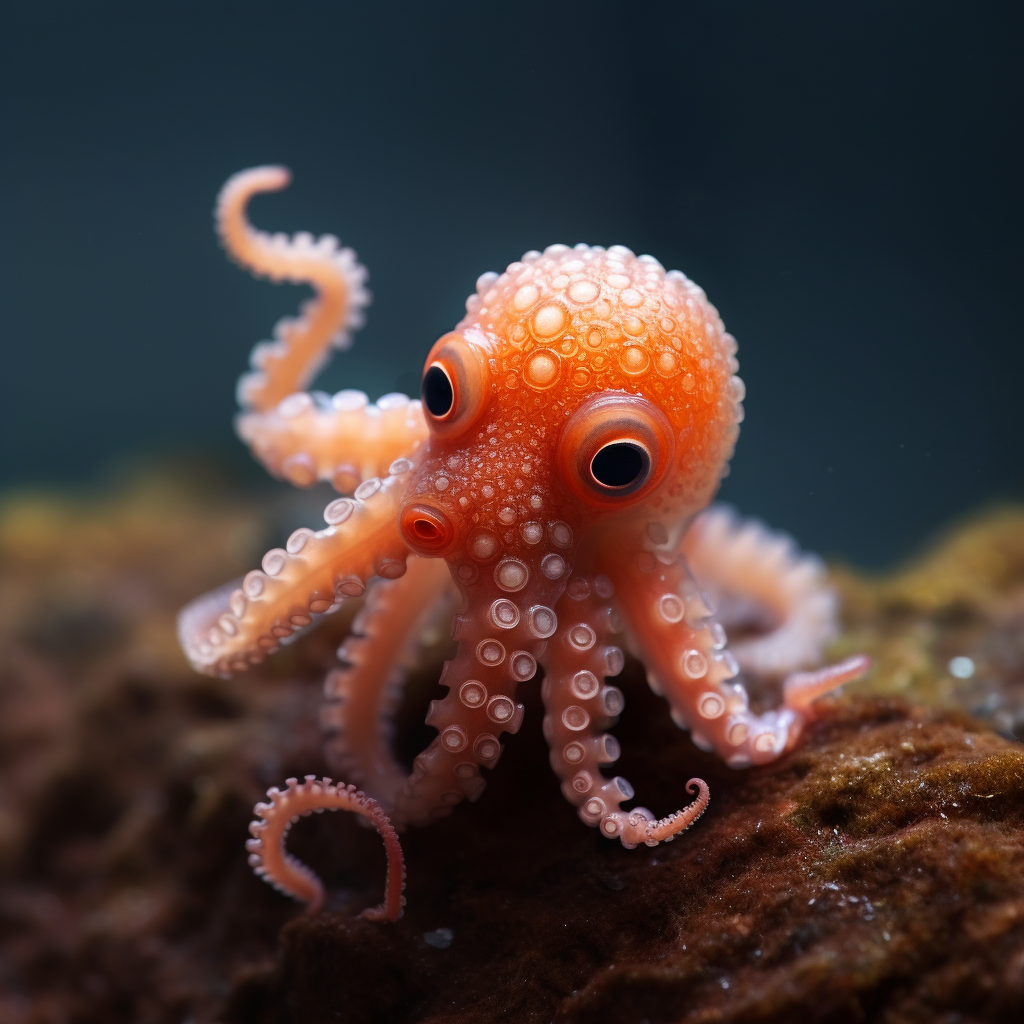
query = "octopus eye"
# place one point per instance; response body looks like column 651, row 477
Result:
column 438, row 393
column 620, row 464
column 454, row 384
column 615, row 449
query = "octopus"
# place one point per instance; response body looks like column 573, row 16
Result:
column 548, row 494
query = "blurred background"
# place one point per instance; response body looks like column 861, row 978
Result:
column 843, row 180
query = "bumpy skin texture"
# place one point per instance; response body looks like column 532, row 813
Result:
column 573, row 425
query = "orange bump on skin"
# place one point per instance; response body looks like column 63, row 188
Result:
column 571, row 428
column 541, row 370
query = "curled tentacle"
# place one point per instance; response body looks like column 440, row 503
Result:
column 224, row 632
column 758, row 577
column 270, row 860
column 684, row 648
column 299, row 436
column 507, row 618
column 287, row 364
column 668, row 828
column 363, row 694
column 579, row 707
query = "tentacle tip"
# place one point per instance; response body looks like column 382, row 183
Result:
column 802, row 688
column 665, row 830
column 699, row 786
column 859, row 663
column 269, row 175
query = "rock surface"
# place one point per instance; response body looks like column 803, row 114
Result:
column 877, row 874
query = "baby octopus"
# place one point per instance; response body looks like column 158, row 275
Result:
column 547, row 493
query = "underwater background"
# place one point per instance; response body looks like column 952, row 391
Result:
column 842, row 181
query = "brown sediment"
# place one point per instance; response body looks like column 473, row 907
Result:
column 877, row 873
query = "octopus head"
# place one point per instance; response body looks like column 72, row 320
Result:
column 586, row 391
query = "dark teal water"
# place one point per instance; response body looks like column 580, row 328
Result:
column 842, row 180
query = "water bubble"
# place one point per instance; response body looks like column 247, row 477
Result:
column 961, row 667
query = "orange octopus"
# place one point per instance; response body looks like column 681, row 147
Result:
column 547, row 490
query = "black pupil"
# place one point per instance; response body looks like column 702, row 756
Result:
column 437, row 391
column 619, row 464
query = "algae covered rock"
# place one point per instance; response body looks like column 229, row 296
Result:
column 877, row 873
column 948, row 628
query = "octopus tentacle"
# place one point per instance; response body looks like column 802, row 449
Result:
column 286, row 365
column 270, row 860
column 341, row 439
column 507, row 619
column 752, row 571
column 579, row 707
column 684, row 647
column 801, row 689
column 363, row 694
column 299, row 436
column 666, row 829
column 225, row 632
